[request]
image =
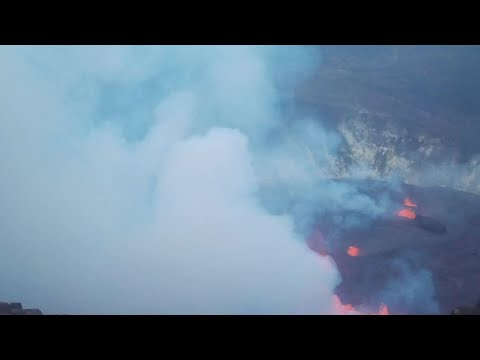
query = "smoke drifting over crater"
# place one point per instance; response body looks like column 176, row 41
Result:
column 130, row 180
column 190, row 180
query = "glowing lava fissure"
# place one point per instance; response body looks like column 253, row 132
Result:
column 353, row 251
column 409, row 202
column 383, row 310
column 348, row 309
column 408, row 212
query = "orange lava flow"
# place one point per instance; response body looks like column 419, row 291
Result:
column 353, row 251
column 343, row 309
column 383, row 310
column 407, row 213
column 409, row 202
column 348, row 309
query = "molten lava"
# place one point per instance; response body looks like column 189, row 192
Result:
column 407, row 213
column 348, row 309
column 409, row 202
column 344, row 309
column 383, row 310
column 353, row 251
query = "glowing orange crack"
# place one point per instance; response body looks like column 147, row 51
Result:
column 348, row 309
column 407, row 213
column 353, row 251
column 409, row 202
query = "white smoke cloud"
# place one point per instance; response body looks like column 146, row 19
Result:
column 94, row 222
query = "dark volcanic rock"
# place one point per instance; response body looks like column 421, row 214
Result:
column 432, row 268
column 467, row 310
column 421, row 88
column 411, row 111
column 430, row 224
column 17, row 309
column 399, row 109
